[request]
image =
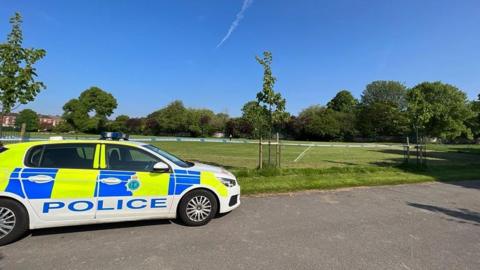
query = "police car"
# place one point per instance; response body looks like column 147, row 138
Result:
column 63, row 182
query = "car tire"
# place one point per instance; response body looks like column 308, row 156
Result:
column 13, row 221
column 197, row 208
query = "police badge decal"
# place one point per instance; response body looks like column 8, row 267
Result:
column 133, row 183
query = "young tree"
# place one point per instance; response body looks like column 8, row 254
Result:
column 343, row 102
column 29, row 118
column 18, row 83
column 439, row 110
column 267, row 97
column 258, row 117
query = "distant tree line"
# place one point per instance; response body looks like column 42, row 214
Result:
column 89, row 114
column 386, row 110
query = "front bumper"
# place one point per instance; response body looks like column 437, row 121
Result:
column 232, row 200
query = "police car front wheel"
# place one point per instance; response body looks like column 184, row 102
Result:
column 13, row 221
column 197, row 207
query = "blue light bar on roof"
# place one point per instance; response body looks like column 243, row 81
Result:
column 114, row 136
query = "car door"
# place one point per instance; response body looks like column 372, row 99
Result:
column 128, row 186
column 59, row 180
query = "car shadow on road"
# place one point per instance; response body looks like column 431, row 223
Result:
column 103, row 226
column 109, row 226
column 466, row 184
column 461, row 215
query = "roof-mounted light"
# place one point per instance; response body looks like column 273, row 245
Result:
column 114, row 136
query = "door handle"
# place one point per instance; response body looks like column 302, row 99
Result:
column 111, row 181
column 40, row 179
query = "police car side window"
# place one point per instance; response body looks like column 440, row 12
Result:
column 34, row 156
column 67, row 156
column 124, row 158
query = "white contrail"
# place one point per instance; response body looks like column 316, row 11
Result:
column 245, row 6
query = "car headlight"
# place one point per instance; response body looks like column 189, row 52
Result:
column 228, row 182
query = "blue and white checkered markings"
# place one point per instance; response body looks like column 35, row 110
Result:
column 14, row 186
column 179, row 182
column 32, row 189
column 183, row 180
column 105, row 190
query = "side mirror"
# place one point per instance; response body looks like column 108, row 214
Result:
column 161, row 167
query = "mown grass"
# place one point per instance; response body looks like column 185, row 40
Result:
column 333, row 167
column 340, row 165
column 290, row 180
column 246, row 155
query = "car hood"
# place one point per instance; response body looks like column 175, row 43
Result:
column 219, row 171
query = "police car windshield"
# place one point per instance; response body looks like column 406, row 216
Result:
column 172, row 158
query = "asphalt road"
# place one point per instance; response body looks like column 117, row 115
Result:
column 426, row 226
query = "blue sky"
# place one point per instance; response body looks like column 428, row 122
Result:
column 149, row 53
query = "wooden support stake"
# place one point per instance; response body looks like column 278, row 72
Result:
column 408, row 149
column 277, row 153
column 270, row 150
column 260, row 154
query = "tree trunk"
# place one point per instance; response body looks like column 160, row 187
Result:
column 23, row 131
column 1, row 126
column 2, row 114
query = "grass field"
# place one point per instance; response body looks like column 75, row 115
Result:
column 245, row 156
column 332, row 167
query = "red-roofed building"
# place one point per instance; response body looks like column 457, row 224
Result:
column 9, row 120
column 49, row 121
column 46, row 121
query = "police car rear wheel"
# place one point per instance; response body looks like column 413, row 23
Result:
column 13, row 221
column 197, row 208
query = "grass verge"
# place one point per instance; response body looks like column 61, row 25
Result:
column 289, row 180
